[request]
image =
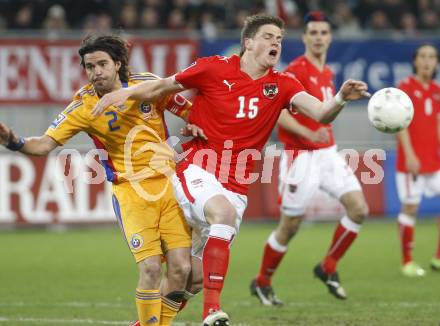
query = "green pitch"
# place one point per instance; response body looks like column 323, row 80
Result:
column 87, row 277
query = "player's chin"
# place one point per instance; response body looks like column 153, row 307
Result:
column 272, row 61
column 101, row 88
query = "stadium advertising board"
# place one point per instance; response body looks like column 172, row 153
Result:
column 379, row 62
column 36, row 71
column 56, row 189
column 71, row 187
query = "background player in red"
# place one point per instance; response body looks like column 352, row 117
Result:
column 418, row 158
column 311, row 162
column 238, row 103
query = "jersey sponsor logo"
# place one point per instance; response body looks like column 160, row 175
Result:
column 270, row 90
column 136, row 241
column 60, row 118
column 418, row 94
column 228, row 84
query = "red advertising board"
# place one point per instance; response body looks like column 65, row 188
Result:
column 72, row 189
column 36, row 71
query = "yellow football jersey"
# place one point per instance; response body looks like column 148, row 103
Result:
column 132, row 136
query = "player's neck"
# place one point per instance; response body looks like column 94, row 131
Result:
column 317, row 60
column 252, row 67
column 424, row 80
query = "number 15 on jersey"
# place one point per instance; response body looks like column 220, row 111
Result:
column 251, row 110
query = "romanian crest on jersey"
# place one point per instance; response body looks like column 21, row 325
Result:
column 270, row 90
column 136, row 241
column 146, row 110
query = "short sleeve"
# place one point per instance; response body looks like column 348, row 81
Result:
column 68, row 123
column 292, row 87
column 195, row 75
column 176, row 104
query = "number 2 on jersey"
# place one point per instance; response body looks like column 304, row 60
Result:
column 252, row 110
column 111, row 122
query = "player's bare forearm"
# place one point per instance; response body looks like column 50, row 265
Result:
column 405, row 141
column 33, row 145
column 327, row 111
column 290, row 124
column 39, row 146
column 149, row 91
column 324, row 112
column 330, row 109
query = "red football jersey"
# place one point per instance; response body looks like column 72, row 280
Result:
column 236, row 113
column 320, row 85
column 423, row 128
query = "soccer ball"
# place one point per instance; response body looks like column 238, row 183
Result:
column 390, row 110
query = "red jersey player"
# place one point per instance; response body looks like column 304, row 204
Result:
column 238, row 103
column 418, row 158
column 315, row 165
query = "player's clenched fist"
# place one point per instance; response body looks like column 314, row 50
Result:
column 5, row 134
column 354, row 90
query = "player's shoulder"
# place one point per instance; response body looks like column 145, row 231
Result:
column 135, row 78
column 84, row 92
column 436, row 85
column 218, row 61
column 299, row 64
column 405, row 84
column 286, row 76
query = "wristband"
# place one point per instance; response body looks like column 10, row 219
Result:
column 16, row 146
column 339, row 100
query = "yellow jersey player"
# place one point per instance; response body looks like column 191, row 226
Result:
column 135, row 158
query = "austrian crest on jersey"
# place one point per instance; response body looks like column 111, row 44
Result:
column 270, row 90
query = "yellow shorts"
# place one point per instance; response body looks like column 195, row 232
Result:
column 151, row 227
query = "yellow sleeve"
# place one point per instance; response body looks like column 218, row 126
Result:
column 68, row 123
column 176, row 104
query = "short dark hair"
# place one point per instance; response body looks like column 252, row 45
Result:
column 253, row 23
column 113, row 45
column 316, row 16
column 416, row 53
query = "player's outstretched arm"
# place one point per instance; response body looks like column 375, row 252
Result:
column 149, row 90
column 292, row 125
column 327, row 111
column 40, row 146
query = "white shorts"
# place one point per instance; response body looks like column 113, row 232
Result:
column 411, row 189
column 193, row 189
column 321, row 169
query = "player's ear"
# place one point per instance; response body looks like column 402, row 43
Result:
column 118, row 65
column 248, row 43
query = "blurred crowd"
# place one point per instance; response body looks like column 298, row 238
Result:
column 212, row 17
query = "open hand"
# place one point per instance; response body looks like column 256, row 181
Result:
column 354, row 90
column 322, row 135
column 194, row 131
column 116, row 98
